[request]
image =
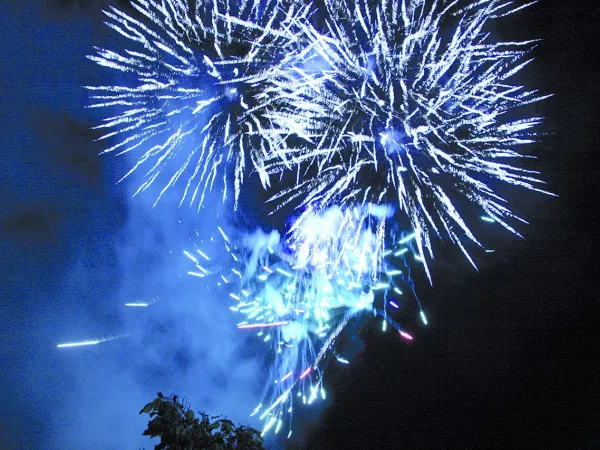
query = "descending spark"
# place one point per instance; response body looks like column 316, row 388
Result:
column 89, row 342
column 80, row 343
column 194, row 99
column 263, row 325
column 406, row 336
column 411, row 104
column 146, row 304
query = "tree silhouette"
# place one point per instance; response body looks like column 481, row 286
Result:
column 179, row 429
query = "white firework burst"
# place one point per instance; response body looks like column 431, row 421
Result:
column 411, row 104
column 193, row 95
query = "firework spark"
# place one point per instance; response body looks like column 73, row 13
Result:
column 89, row 342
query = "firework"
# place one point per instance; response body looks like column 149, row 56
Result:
column 194, row 94
column 398, row 109
column 299, row 294
column 411, row 106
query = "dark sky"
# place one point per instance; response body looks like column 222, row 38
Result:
column 511, row 355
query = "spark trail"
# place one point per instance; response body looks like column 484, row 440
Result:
column 89, row 342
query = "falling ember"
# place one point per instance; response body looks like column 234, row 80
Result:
column 89, row 342
column 263, row 325
column 79, row 344
column 306, row 372
column 287, row 376
column 406, row 335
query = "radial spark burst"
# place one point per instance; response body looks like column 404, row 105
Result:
column 411, row 105
column 193, row 93
column 299, row 294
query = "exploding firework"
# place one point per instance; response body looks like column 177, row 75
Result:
column 411, row 106
column 193, row 99
column 300, row 293
column 371, row 103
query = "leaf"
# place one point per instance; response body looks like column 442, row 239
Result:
column 147, row 408
column 226, row 426
column 189, row 416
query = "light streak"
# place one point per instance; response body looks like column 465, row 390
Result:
column 406, row 335
column 89, row 342
column 393, row 273
column 263, row 325
column 406, row 239
column 287, row 376
column 80, row 343
column 306, row 372
column 196, row 274
column 203, row 255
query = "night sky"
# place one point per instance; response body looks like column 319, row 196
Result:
column 511, row 355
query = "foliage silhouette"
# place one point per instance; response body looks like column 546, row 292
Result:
column 179, row 429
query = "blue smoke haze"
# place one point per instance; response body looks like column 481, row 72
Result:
column 75, row 247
